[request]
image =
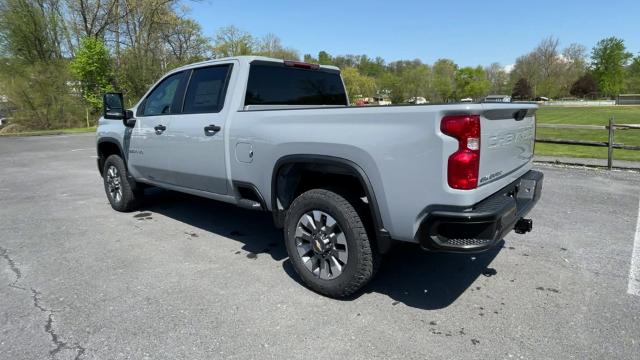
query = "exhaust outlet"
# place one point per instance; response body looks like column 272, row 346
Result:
column 523, row 226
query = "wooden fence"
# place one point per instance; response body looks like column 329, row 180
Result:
column 610, row 144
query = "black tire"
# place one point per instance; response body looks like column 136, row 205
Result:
column 362, row 257
column 127, row 195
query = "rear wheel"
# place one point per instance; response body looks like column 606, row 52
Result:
column 327, row 243
column 122, row 194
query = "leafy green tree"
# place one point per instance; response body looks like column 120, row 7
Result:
column 324, row 58
column 609, row 58
column 416, row 81
column 358, row 85
column 41, row 94
column 391, row 84
column 92, row 67
column 633, row 76
column 471, row 83
column 444, row 73
column 29, row 30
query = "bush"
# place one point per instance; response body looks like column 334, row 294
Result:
column 43, row 95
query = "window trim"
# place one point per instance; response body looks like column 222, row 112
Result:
column 223, row 90
column 143, row 103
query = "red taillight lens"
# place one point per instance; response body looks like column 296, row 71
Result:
column 464, row 164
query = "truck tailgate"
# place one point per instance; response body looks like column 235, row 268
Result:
column 507, row 140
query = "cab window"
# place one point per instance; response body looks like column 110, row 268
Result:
column 161, row 100
column 206, row 90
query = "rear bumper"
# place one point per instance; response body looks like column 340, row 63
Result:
column 483, row 225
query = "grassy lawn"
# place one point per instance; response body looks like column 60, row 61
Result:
column 588, row 116
column 54, row 132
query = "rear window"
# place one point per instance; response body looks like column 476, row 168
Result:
column 277, row 84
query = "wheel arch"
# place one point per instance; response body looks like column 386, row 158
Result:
column 106, row 147
column 331, row 165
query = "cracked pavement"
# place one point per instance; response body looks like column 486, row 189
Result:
column 188, row 278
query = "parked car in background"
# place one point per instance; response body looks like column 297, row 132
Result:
column 345, row 183
column 466, row 100
column 497, row 99
column 417, row 100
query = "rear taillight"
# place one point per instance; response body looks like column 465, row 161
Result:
column 464, row 164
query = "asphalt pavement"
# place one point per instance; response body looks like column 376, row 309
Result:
column 189, row 278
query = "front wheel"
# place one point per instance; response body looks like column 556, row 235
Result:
column 123, row 196
column 327, row 243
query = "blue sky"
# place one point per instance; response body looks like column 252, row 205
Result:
column 469, row 32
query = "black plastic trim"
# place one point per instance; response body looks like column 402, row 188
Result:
column 110, row 140
column 382, row 235
column 237, row 184
column 489, row 220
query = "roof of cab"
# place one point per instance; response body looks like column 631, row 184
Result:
column 243, row 59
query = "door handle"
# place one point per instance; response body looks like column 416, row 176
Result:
column 211, row 129
column 160, row 128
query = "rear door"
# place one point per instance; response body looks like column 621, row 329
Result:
column 148, row 144
column 197, row 151
column 507, row 140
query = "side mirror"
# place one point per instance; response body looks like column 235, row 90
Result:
column 113, row 108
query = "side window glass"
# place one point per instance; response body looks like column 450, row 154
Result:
column 206, row 90
column 160, row 100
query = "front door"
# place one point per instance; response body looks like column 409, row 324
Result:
column 148, row 146
column 197, row 156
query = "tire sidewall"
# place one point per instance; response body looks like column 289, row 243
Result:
column 308, row 202
column 127, row 199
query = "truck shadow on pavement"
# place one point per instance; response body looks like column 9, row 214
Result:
column 408, row 274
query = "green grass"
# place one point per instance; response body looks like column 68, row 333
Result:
column 588, row 116
column 54, row 132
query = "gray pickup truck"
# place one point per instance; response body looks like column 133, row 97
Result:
column 344, row 182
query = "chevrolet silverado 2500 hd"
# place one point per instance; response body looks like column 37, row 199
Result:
column 344, row 182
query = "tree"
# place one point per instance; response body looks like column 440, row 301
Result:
column 549, row 64
column 324, row 58
column 573, row 66
column 92, row 68
column 416, row 81
column 391, row 84
column 271, row 45
column 471, row 83
column 633, row 76
column 584, row 86
column 30, row 30
column 444, row 72
column 498, row 79
column 184, row 41
column 522, row 90
column 358, row 85
column 609, row 58
column 231, row 41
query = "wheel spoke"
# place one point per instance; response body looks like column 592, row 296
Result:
column 303, row 234
column 303, row 250
column 318, row 219
column 308, row 222
column 336, row 267
column 324, row 269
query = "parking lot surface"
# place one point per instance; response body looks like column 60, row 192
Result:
column 189, row 278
